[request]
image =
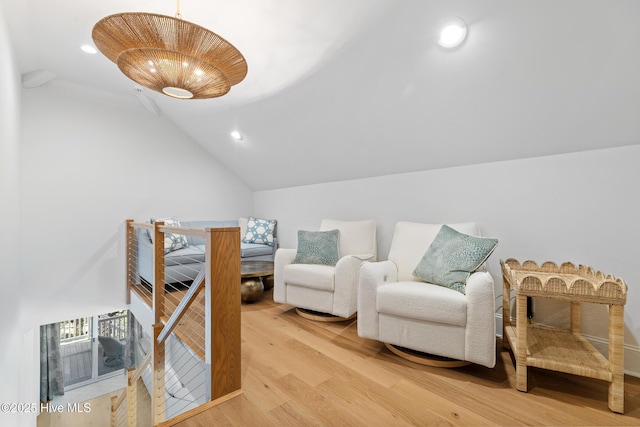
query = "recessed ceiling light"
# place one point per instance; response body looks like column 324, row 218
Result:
column 453, row 33
column 88, row 49
column 236, row 135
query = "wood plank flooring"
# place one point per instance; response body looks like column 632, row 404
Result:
column 297, row 372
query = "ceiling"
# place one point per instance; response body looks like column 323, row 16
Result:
column 340, row 90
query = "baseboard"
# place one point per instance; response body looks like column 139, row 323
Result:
column 631, row 352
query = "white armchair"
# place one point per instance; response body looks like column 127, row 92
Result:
column 326, row 289
column 403, row 312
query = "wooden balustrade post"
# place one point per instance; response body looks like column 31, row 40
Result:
column 132, row 399
column 158, row 272
column 222, row 306
column 157, row 387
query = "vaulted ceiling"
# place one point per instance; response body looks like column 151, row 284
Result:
column 341, row 89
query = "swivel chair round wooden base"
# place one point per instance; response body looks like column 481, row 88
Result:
column 425, row 358
column 322, row 317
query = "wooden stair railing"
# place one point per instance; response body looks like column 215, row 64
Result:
column 130, row 394
column 182, row 307
column 222, row 308
column 219, row 280
column 119, row 417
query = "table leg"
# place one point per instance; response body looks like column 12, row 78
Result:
column 575, row 317
column 616, row 358
column 521, row 340
column 267, row 281
column 506, row 311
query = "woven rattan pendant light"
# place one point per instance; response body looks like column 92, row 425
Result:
column 171, row 56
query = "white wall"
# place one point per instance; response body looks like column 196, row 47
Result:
column 580, row 207
column 12, row 337
column 88, row 163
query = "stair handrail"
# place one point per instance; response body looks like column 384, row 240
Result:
column 115, row 410
column 140, row 369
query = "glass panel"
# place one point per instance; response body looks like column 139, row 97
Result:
column 89, row 347
column 113, row 330
column 75, row 347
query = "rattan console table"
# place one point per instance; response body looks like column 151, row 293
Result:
column 561, row 349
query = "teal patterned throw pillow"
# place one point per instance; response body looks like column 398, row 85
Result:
column 172, row 242
column 317, row 247
column 260, row 231
column 452, row 257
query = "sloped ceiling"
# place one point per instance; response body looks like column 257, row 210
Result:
column 341, row 90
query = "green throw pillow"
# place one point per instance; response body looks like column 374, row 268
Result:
column 452, row 257
column 317, row 247
column 260, row 231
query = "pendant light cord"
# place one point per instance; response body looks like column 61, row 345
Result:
column 178, row 15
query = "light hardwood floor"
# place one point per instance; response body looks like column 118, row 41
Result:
column 297, row 372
